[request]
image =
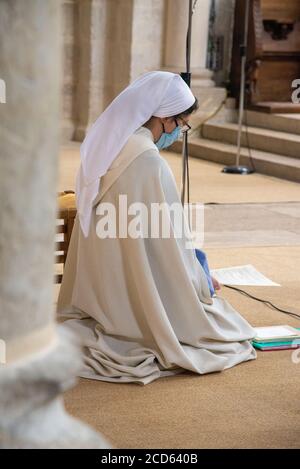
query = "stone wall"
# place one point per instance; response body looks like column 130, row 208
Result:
column 109, row 43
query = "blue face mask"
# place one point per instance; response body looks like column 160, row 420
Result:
column 167, row 139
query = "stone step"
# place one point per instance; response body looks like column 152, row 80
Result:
column 275, row 107
column 270, row 141
column 223, row 153
column 289, row 123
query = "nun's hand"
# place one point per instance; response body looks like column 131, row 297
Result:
column 216, row 284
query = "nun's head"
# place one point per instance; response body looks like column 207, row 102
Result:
column 166, row 130
column 180, row 120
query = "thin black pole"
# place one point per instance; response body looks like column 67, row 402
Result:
column 237, row 168
column 187, row 78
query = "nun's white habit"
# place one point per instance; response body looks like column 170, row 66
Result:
column 142, row 307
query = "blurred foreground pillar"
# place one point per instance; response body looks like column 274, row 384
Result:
column 36, row 362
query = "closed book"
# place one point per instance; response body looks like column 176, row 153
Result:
column 276, row 334
column 276, row 347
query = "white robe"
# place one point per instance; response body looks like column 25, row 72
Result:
column 142, row 307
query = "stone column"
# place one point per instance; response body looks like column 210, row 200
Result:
column 91, row 44
column 104, row 44
column 147, row 43
column 176, row 30
column 210, row 97
column 70, row 32
column 37, row 362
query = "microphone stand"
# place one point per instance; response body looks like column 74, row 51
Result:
column 186, row 76
column 237, row 168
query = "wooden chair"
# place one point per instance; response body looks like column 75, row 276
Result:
column 64, row 226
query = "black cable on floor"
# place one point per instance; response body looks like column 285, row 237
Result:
column 266, row 302
column 253, row 203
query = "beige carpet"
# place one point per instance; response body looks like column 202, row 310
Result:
column 255, row 404
column 268, row 224
column 208, row 183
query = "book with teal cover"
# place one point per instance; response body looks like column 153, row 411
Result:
column 279, row 345
column 276, row 345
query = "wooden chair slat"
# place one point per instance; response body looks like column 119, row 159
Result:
column 58, row 278
column 61, row 228
column 60, row 259
column 62, row 246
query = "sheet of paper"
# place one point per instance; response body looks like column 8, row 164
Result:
column 242, row 275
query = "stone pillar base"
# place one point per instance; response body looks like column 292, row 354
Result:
column 32, row 415
column 67, row 130
column 202, row 79
column 80, row 133
column 211, row 101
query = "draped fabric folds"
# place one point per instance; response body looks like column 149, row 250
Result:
column 142, row 307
